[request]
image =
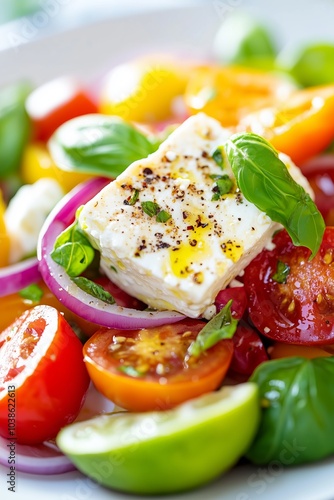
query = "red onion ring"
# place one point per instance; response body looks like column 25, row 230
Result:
column 45, row 458
column 75, row 299
column 17, row 276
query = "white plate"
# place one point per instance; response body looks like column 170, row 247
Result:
column 90, row 51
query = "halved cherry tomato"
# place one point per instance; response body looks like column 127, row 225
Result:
column 249, row 351
column 280, row 350
column 238, row 297
column 55, row 102
column 149, row 369
column 43, row 379
column 291, row 298
column 320, row 174
column 301, row 127
column 230, row 93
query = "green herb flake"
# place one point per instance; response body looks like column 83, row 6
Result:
column 113, row 268
column 133, row 198
column 32, row 292
column 265, row 181
column 222, row 326
column 282, row 272
column 93, row 289
column 130, row 370
column 224, row 185
column 218, row 157
column 150, row 208
column 163, row 216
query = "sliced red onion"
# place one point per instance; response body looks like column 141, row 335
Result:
column 75, row 299
column 45, row 458
column 17, row 276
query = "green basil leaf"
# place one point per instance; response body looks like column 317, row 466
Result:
column 93, row 289
column 224, row 185
column 98, row 144
column 14, row 127
column 222, row 326
column 73, row 251
column 265, row 181
column 163, row 216
column 32, row 292
column 150, row 208
column 282, row 272
column 297, row 411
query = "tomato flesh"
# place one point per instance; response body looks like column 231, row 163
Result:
column 149, row 369
column 42, row 375
column 249, row 351
column 300, row 311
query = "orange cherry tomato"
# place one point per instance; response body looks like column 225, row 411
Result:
column 148, row 369
column 230, row 93
column 301, row 127
column 55, row 102
column 43, row 379
column 280, row 350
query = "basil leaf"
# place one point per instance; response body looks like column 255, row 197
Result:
column 222, row 326
column 163, row 216
column 265, row 181
column 98, row 144
column 31, row 292
column 150, row 208
column 73, row 251
column 282, row 272
column 297, row 411
column 93, row 289
column 224, row 185
column 14, row 127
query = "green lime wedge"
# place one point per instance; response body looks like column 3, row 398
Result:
column 167, row 451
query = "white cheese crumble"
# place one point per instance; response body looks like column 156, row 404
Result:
column 207, row 239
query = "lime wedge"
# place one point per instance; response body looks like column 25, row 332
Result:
column 167, row 451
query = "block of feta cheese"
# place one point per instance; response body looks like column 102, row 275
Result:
column 166, row 232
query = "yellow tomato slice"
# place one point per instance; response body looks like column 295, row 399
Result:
column 4, row 238
column 37, row 163
column 230, row 93
column 143, row 90
column 301, row 127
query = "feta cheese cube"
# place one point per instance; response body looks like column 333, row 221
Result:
column 167, row 232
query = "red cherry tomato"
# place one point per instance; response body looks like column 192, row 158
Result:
column 238, row 297
column 300, row 309
column 148, row 369
column 56, row 102
column 43, row 379
column 249, row 351
column 320, row 174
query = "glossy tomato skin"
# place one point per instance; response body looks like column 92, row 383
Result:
column 300, row 311
column 148, row 369
column 56, row 102
column 249, row 351
column 238, row 297
column 49, row 395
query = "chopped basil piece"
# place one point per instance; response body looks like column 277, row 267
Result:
column 32, row 292
column 282, row 272
column 222, row 326
column 93, row 289
column 224, row 185
column 134, row 197
column 163, row 216
column 218, row 157
column 150, row 208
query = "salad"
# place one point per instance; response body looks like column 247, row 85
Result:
column 168, row 239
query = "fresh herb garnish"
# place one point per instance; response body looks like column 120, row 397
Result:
column 222, row 326
column 93, row 289
column 265, row 181
column 151, row 208
column 224, row 185
column 73, row 251
column 282, row 272
column 218, row 157
column 32, row 292
column 134, row 197
column 99, row 144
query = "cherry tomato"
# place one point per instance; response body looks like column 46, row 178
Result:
column 280, row 350
column 249, row 351
column 238, row 297
column 54, row 103
column 301, row 127
column 291, row 298
column 320, row 174
column 148, row 369
column 230, row 93
column 43, row 379
column 37, row 163
column 143, row 90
